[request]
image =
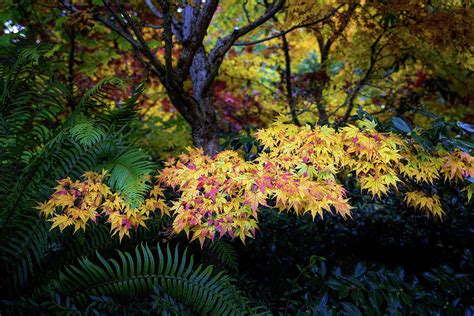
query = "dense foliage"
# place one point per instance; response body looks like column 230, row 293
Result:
column 313, row 157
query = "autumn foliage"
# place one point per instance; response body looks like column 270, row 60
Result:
column 297, row 171
column 318, row 154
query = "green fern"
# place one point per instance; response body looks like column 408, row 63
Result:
column 26, row 249
column 36, row 149
column 225, row 253
column 86, row 132
column 126, row 113
column 100, row 92
column 128, row 170
column 137, row 275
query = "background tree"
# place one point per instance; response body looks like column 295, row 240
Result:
column 192, row 62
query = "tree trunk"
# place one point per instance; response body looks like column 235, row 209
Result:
column 200, row 114
column 322, row 112
column 323, row 115
column 323, row 79
column 205, row 130
column 204, row 127
column 205, row 136
column 201, row 117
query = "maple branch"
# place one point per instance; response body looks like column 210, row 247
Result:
column 373, row 58
column 324, row 48
column 270, row 89
column 244, row 7
column 163, row 72
column 123, row 32
column 153, row 9
column 334, row 11
column 156, row 27
column 175, row 24
column 168, row 37
column 182, row 102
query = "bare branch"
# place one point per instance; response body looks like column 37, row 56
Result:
column 156, row 27
column 153, row 9
column 373, row 58
column 69, row 6
column 244, row 7
column 332, row 13
column 287, row 77
column 269, row 13
column 145, row 49
column 168, row 37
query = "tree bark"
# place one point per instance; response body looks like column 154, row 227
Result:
column 201, row 116
column 204, row 127
column 206, row 136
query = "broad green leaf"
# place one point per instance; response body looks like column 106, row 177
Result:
column 401, row 125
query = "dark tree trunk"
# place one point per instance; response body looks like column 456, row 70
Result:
column 205, row 130
column 206, row 137
column 201, row 117
column 322, row 113
column 204, row 127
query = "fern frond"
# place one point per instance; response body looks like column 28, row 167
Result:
column 37, row 147
column 122, row 115
column 225, row 253
column 128, row 171
column 137, row 275
column 23, row 249
column 105, row 304
column 164, row 303
column 86, row 132
column 100, row 92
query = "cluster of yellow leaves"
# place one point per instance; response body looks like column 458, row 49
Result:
column 423, row 202
column 379, row 160
column 75, row 203
column 323, row 152
column 297, row 170
column 221, row 194
column 213, row 195
column 457, row 166
column 421, row 166
column 373, row 156
column 302, row 163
